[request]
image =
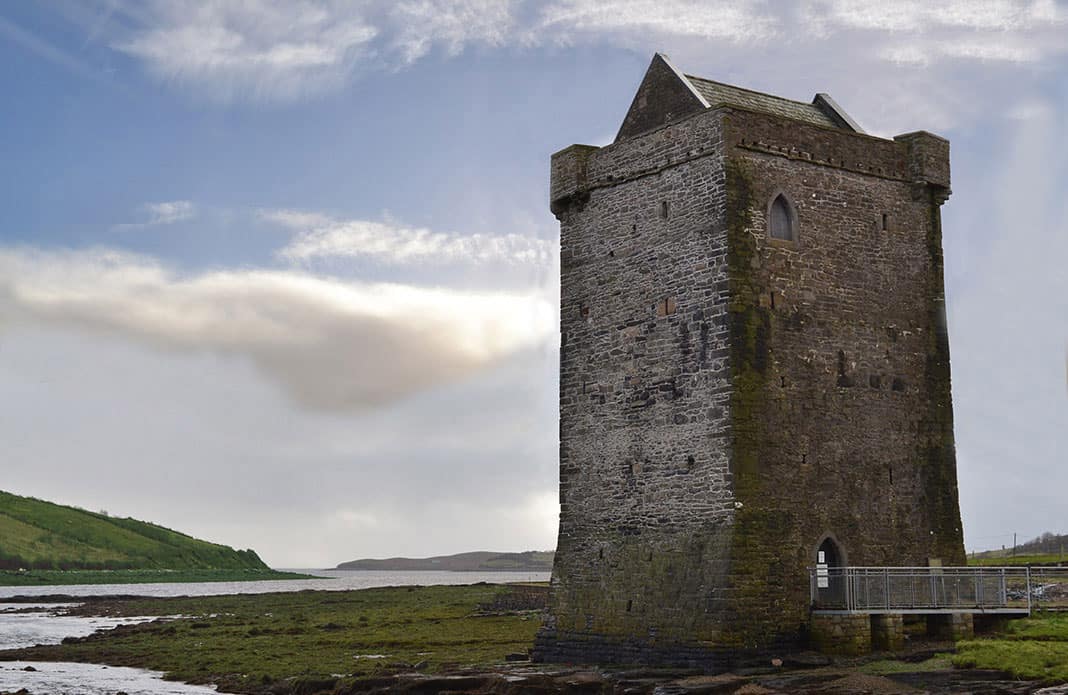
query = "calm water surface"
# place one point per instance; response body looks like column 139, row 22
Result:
column 20, row 627
column 326, row 580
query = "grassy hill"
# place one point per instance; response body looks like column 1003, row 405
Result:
column 481, row 561
column 1047, row 549
column 39, row 535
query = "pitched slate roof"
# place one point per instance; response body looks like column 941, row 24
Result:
column 666, row 94
column 716, row 93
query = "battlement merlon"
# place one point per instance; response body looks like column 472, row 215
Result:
column 928, row 162
column 567, row 181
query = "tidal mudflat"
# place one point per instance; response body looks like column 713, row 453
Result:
column 475, row 639
column 252, row 643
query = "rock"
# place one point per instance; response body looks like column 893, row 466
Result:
column 29, row 668
column 516, row 657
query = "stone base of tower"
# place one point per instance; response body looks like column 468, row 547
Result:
column 552, row 646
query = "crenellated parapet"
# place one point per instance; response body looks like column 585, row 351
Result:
column 569, row 175
column 928, row 164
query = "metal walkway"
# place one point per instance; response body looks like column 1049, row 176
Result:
column 932, row 590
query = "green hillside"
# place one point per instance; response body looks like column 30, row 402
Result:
column 39, row 535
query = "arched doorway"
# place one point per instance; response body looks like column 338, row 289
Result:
column 830, row 577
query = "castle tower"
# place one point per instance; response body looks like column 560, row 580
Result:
column 754, row 369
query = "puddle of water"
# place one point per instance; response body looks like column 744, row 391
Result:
column 56, row 678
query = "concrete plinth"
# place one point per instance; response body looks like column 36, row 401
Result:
column 888, row 632
column 844, row 634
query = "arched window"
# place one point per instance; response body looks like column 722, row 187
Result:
column 782, row 220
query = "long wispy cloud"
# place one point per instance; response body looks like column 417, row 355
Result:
column 329, row 344
column 281, row 50
column 164, row 213
column 319, row 237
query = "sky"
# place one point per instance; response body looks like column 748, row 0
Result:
column 282, row 275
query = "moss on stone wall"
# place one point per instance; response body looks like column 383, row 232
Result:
column 758, row 528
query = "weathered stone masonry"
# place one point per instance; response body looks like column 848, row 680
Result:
column 728, row 400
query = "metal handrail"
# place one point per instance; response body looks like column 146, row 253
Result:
column 920, row 589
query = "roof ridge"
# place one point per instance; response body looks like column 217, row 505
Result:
column 751, row 91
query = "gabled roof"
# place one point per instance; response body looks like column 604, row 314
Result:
column 667, row 94
column 716, row 93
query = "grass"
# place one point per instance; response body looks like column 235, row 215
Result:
column 40, row 535
column 72, row 577
column 248, row 642
column 883, row 667
column 1018, row 560
column 1031, row 648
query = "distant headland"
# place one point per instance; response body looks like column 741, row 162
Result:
column 480, row 561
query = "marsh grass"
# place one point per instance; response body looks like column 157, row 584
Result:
column 1033, row 648
column 939, row 662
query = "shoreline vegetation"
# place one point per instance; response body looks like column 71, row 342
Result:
column 142, row 576
column 476, row 638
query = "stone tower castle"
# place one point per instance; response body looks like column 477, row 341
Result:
column 754, row 370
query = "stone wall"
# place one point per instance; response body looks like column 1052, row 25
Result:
column 646, row 505
column 888, row 632
column 841, row 416
column 727, row 401
column 843, row 634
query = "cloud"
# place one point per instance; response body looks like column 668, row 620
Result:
column 921, row 33
column 321, row 238
column 742, row 22
column 281, row 50
column 158, row 214
column 328, row 344
column 278, row 50
column 420, row 24
column 258, row 50
column 923, row 17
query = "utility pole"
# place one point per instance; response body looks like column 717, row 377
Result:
column 1014, row 544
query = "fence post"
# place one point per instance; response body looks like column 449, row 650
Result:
column 1028, row 569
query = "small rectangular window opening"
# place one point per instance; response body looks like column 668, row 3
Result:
column 663, row 209
column 886, row 222
column 629, row 602
column 666, row 307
